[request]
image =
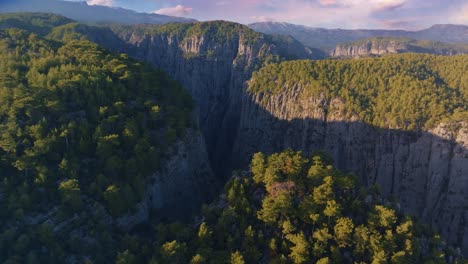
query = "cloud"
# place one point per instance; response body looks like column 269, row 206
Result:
column 328, row 2
column 405, row 14
column 101, row 2
column 386, row 5
column 178, row 10
column 263, row 19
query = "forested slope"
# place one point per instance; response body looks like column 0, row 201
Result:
column 82, row 132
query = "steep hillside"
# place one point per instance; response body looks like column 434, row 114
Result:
column 399, row 121
column 386, row 45
column 83, row 12
column 90, row 143
column 329, row 38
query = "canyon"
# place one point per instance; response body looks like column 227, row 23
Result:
column 426, row 171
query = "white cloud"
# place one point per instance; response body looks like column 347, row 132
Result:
column 101, row 2
column 263, row 19
column 178, row 10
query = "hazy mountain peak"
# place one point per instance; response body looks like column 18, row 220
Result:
column 447, row 26
column 83, row 12
column 328, row 38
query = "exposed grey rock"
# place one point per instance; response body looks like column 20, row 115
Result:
column 214, row 73
column 183, row 183
column 382, row 46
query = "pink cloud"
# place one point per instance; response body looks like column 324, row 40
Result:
column 328, row 2
column 178, row 10
column 101, row 2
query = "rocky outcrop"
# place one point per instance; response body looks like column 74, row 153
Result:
column 179, row 187
column 368, row 48
column 426, row 171
column 382, row 46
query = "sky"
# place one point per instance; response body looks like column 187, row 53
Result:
column 389, row 14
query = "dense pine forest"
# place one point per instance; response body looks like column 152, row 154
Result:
column 408, row 91
column 83, row 128
column 77, row 121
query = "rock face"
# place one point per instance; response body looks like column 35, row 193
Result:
column 213, row 72
column 382, row 46
column 426, row 171
column 180, row 186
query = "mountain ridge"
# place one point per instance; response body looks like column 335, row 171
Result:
column 328, row 38
column 81, row 11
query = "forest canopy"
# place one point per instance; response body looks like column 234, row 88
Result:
column 406, row 91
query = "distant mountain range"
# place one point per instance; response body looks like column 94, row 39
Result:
column 329, row 38
column 83, row 12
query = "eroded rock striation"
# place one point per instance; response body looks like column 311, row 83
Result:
column 212, row 61
column 382, row 46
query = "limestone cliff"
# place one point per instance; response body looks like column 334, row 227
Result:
column 382, row 46
column 426, row 171
column 179, row 187
column 212, row 61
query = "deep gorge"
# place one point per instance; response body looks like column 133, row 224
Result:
column 425, row 171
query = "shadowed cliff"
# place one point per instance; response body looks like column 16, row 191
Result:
column 426, row 172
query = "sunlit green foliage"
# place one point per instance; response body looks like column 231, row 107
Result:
column 406, row 91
